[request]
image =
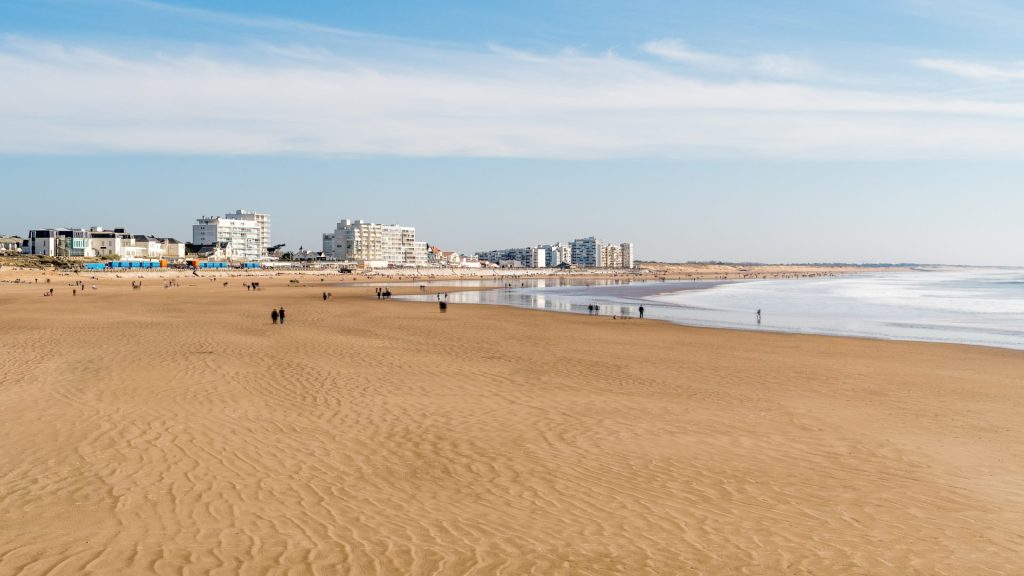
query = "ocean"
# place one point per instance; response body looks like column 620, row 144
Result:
column 980, row 306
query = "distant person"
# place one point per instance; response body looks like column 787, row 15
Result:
column 641, row 312
column 325, row 296
column 281, row 314
column 443, row 306
column 590, row 309
column 758, row 316
column 273, row 316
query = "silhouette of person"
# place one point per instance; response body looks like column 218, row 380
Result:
column 281, row 314
column 641, row 312
column 273, row 316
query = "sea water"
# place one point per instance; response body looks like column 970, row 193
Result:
column 981, row 306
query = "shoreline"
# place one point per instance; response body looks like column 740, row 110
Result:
column 621, row 301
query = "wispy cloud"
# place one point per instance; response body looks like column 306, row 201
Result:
column 777, row 65
column 974, row 70
column 371, row 95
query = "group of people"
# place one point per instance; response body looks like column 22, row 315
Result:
column 277, row 315
column 327, row 296
column 383, row 294
column 252, row 286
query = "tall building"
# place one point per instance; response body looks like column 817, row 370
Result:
column 261, row 220
column 587, row 252
column 592, row 253
column 557, row 254
column 627, row 255
column 611, row 256
column 375, row 245
column 242, row 236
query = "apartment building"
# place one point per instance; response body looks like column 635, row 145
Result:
column 535, row 257
column 243, row 236
column 556, row 254
column 375, row 245
column 262, row 222
column 593, row 253
column 587, row 252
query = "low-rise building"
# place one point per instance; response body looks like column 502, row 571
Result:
column 11, row 244
column 535, row 257
column 217, row 251
column 100, row 242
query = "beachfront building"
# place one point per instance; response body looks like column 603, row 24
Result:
column 374, row 245
column 611, row 255
column 11, row 244
column 262, row 222
column 242, row 236
column 627, row 255
column 216, row 251
column 556, row 254
column 60, row 242
column 593, row 253
column 97, row 242
column 535, row 257
column 118, row 243
column 587, row 252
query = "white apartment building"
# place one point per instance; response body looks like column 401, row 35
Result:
column 375, row 245
column 556, row 254
column 611, row 256
column 261, row 220
column 592, row 253
column 242, row 236
column 535, row 257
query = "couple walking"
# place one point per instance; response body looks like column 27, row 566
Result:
column 276, row 315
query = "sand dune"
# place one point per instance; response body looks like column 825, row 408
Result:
column 176, row 431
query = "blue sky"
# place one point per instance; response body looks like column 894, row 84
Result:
column 772, row 131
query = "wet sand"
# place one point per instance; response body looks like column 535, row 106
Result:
column 173, row 431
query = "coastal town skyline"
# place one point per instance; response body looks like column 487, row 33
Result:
column 244, row 237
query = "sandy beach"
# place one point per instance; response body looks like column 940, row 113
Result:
column 177, row 431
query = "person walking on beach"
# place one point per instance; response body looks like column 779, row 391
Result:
column 273, row 316
column 641, row 312
column 758, row 316
column 281, row 314
column 325, row 296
